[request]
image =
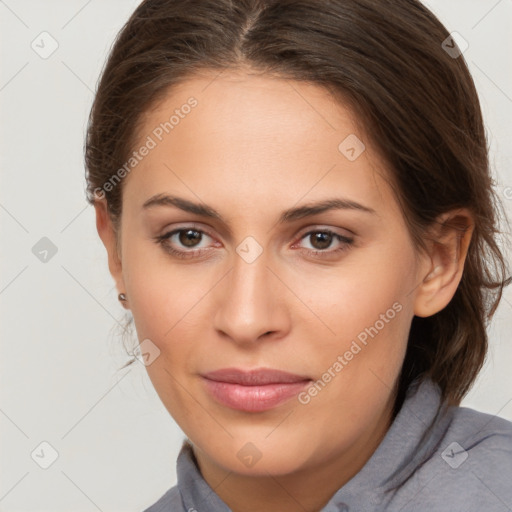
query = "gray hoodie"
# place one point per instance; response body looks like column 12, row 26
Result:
column 432, row 459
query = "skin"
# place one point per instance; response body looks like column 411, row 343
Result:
column 253, row 147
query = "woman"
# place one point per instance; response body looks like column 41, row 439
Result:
column 296, row 202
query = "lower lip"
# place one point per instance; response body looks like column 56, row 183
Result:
column 253, row 398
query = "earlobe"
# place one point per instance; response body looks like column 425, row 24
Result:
column 107, row 234
column 442, row 271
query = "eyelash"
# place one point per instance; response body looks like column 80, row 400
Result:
column 163, row 241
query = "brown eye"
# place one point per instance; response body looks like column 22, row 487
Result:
column 187, row 237
column 321, row 239
column 183, row 242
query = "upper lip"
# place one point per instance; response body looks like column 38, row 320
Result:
column 254, row 377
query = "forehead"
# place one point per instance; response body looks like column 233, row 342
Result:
column 247, row 108
column 254, row 134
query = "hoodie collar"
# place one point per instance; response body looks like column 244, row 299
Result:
column 407, row 443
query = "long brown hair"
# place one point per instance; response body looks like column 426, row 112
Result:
column 388, row 61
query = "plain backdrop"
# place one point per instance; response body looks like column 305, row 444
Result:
column 106, row 439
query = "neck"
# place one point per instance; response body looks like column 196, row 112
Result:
column 308, row 488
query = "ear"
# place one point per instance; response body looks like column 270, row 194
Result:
column 449, row 240
column 107, row 234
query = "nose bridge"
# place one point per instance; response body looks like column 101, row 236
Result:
column 248, row 305
column 249, row 279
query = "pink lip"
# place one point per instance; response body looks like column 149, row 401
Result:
column 255, row 390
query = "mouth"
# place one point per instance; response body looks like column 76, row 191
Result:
column 254, row 390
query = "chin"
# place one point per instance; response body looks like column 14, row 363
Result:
column 256, row 456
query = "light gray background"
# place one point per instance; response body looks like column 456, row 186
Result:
column 116, row 443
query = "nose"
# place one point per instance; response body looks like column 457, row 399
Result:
column 251, row 302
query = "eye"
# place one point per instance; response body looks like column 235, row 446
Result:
column 323, row 239
column 188, row 237
column 191, row 237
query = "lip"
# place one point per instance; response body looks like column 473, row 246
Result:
column 258, row 376
column 253, row 390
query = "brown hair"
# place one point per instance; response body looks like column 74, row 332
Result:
column 416, row 101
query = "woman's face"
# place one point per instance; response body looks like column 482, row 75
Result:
column 326, row 295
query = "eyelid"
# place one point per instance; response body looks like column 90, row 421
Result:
column 323, row 227
column 345, row 241
column 180, row 227
column 307, row 230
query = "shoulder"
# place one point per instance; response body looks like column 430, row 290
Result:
column 169, row 502
column 470, row 466
column 481, row 430
column 485, row 439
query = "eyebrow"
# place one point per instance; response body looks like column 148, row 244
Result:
column 289, row 215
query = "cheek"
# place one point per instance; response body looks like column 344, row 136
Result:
column 356, row 369
column 368, row 311
column 160, row 293
column 369, row 292
column 165, row 301
column 163, row 311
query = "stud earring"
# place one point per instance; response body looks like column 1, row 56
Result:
column 122, row 297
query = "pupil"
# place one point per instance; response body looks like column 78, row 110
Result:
column 185, row 238
column 322, row 237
